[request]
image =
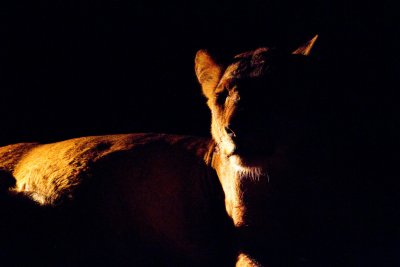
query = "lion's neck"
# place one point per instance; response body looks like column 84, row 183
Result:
column 236, row 182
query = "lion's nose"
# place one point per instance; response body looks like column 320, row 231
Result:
column 230, row 132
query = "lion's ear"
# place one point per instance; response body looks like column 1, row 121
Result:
column 305, row 49
column 208, row 72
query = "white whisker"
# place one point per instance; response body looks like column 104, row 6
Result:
column 253, row 173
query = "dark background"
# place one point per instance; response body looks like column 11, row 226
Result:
column 76, row 68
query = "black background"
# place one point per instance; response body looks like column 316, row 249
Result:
column 76, row 68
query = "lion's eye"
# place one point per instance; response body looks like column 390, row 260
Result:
column 221, row 97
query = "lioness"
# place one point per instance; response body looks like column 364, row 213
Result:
column 156, row 199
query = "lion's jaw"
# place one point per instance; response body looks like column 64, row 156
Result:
column 234, row 179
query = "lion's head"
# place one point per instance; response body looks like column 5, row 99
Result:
column 256, row 101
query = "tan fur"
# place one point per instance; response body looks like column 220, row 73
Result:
column 208, row 72
column 245, row 261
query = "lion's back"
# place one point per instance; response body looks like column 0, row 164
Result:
column 52, row 171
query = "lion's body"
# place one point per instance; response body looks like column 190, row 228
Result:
column 52, row 171
column 151, row 187
column 173, row 200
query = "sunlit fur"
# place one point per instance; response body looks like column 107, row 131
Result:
column 245, row 261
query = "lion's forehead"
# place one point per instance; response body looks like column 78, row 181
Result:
column 251, row 64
